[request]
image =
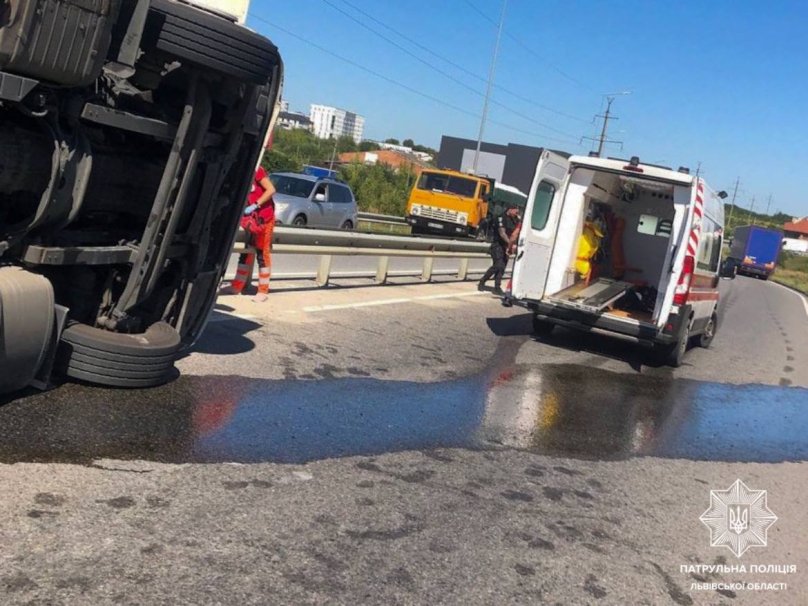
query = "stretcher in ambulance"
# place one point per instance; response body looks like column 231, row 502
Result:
column 621, row 248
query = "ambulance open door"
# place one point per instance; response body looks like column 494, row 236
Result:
column 539, row 227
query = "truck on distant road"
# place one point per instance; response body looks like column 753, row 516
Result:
column 755, row 250
column 448, row 202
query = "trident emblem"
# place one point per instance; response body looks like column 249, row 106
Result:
column 738, row 518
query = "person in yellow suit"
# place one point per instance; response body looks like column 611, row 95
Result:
column 588, row 245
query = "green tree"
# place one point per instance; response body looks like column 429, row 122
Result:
column 392, row 141
column 346, row 144
column 378, row 188
column 408, row 143
column 275, row 161
column 366, row 146
column 425, row 149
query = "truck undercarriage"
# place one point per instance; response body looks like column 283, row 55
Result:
column 129, row 131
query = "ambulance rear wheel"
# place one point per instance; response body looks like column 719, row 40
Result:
column 706, row 338
column 674, row 354
column 542, row 328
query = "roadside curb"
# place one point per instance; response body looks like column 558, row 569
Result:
column 799, row 293
column 789, row 287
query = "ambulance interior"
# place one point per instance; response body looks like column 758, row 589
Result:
column 626, row 226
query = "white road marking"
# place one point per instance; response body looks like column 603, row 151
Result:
column 802, row 297
column 316, row 308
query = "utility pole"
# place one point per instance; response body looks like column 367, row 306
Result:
column 333, row 155
column 752, row 210
column 488, row 87
column 602, row 140
column 768, row 204
column 732, row 202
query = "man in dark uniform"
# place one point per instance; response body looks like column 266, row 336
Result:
column 505, row 226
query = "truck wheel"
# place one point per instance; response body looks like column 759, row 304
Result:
column 119, row 360
column 706, row 338
column 26, row 326
column 542, row 328
column 299, row 221
column 209, row 41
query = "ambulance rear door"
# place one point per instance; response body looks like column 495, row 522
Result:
column 539, row 227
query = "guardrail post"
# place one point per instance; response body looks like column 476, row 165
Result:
column 463, row 272
column 429, row 263
column 325, row 270
column 382, row 270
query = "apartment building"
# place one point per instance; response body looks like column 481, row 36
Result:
column 332, row 122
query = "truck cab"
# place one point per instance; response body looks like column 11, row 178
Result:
column 621, row 248
column 448, row 202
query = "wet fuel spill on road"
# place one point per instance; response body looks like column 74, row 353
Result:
column 553, row 409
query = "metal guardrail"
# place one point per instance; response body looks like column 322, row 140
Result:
column 385, row 219
column 328, row 243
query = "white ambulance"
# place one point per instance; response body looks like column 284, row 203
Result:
column 621, row 248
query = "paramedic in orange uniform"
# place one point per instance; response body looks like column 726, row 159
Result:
column 260, row 200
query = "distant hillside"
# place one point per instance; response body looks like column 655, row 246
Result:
column 742, row 216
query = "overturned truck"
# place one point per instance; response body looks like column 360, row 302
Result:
column 129, row 132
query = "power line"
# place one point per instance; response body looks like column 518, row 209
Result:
column 552, row 66
column 459, row 67
column 491, row 73
column 398, row 83
column 446, row 74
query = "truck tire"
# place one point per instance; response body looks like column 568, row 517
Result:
column 209, row 41
column 119, row 360
column 26, row 326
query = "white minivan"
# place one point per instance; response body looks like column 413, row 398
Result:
column 621, row 248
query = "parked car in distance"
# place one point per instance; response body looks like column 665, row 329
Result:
column 306, row 200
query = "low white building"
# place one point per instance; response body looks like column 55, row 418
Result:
column 422, row 156
column 795, row 234
column 294, row 120
column 332, row 122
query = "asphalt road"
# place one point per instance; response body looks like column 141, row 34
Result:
column 413, row 444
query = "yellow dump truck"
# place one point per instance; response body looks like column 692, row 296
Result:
column 448, row 202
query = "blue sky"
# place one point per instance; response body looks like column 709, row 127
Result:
column 721, row 83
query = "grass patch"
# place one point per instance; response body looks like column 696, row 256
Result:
column 383, row 228
column 793, row 278
column 794, row 262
